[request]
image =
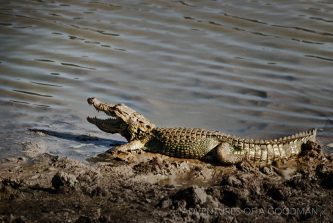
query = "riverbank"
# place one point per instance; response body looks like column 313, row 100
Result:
column 146, row 187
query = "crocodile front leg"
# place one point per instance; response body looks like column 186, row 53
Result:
column 133, row 145
column 227, row 154
column 120, row 152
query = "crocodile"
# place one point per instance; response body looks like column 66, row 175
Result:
column 193, row 143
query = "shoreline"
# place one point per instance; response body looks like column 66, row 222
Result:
column 148, row 187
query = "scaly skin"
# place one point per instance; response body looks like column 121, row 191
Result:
column 193, row 143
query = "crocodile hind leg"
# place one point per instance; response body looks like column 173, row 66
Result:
column 226, row 154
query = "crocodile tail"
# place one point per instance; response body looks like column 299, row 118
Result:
column 305, row 136
column 289, row 146
column 313, row 135
column 266, row 151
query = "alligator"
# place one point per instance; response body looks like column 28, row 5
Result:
column 193, row 143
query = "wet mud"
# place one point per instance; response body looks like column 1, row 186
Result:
column 147, row 187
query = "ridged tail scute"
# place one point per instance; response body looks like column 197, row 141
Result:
column 267, row 151
column 309, row 135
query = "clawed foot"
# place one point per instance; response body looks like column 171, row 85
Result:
column 117, row 154
column 122, row 152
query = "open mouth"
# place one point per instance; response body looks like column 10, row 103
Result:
column 110, row 125
column 110, row 121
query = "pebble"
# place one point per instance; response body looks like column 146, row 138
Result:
column 330, row 145
column 62, row 179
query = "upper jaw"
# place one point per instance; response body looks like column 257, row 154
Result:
column 100, row 106
column 107, row 121
column 94, row 101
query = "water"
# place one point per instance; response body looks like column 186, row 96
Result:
column 252, row 68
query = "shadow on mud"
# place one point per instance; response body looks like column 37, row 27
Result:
column 97, row 141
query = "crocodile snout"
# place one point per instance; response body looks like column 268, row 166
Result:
column 91, row 100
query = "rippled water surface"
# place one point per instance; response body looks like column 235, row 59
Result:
column 252, row 68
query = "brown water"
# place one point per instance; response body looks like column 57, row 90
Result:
column 251, row 68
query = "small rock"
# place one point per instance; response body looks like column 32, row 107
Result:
column 266, row 170
column 212, row 202
column 330, row 145
column 22, row 158
column 165, row 203
column 62, row 180
column 189, row 197
column 246, row 166
column 231, row 180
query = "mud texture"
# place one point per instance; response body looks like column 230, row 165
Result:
column 146, row 187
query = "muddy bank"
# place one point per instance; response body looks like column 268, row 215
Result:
column 145, row 187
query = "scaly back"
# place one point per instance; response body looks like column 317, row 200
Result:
column 196, row 143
